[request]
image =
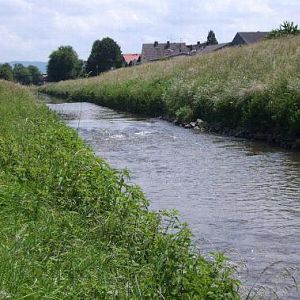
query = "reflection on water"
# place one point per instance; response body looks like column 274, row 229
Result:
column 239, row 197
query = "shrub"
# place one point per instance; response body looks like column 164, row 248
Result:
column 287, row 28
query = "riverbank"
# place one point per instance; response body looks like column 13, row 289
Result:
column 253, row 90
column 72, row 227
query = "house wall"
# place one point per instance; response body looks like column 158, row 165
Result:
column 237, row 41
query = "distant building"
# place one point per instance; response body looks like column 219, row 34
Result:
column 247, row 38
column 158, row 51
column 131, row 59
column 213, row 48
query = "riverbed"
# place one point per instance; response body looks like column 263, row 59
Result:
column 239, row 197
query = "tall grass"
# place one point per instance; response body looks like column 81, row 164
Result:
column 256, row 88
column 73, row 228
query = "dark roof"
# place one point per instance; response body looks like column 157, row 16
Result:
column 196, row 47
column 212, row 48
column 156, row 51
column 251, row 37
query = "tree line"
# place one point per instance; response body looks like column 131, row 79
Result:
column 64, row 62
column 21, row 74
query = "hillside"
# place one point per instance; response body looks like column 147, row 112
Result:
column 251, row 91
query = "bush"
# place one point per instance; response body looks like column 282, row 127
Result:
column 287, row 28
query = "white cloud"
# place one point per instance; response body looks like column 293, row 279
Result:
column 32, row 29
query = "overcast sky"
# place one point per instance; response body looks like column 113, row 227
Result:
column 31, row 29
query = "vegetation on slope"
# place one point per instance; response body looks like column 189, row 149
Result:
column 253, row 88
column 73, row 228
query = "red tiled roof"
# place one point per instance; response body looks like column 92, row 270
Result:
column 130, row 57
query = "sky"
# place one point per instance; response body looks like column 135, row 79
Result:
column 32, row 29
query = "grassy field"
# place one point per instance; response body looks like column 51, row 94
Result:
column 73, row 228
column 254, row 90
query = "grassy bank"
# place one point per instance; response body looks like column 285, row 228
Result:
column 73, row 228
column 253, row 90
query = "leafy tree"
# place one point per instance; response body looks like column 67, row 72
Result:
column 22, row 74
column 35, row 73
column 105, row 55
column 81, row 68
column 6, row 72
column 211, row 38
column 63, row 64
column 286, row 28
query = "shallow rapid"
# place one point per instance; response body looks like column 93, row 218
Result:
column 239, row 197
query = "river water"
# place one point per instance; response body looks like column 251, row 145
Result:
column 239, row 197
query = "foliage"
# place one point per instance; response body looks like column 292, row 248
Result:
column 254, row 88
column 6, row 72
column 22, row 74
column 73, row 228
column 36, row 76
column 211, row 38
column 63, row 64
column 287, row 28
column 184, row 114
column 105, row 55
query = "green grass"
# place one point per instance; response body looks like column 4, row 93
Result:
column 71, row 227
column 256, row 88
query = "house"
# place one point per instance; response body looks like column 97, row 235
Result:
column 247, row 38
column 131, row 59
column 212, row 48
column 157, row 51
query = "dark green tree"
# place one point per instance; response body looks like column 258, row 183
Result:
column 22, row 74
column 105, row 55
column 36, row 76
column 6, row 72
column 211, row 38
column 63, row 64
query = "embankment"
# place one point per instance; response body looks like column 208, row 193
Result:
column 73, row 228
column 251, row 91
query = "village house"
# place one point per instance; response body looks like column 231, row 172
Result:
column 131, row 59
column 248, row 38
column 158, row 51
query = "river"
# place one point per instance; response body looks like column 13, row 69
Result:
column 239, row 197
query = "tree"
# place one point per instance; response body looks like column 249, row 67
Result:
column 6, row 72
column 105, row 55
column 22, row 74
column 211, row 38
column 63, row 64
column 36, row 76
column 286, row 28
